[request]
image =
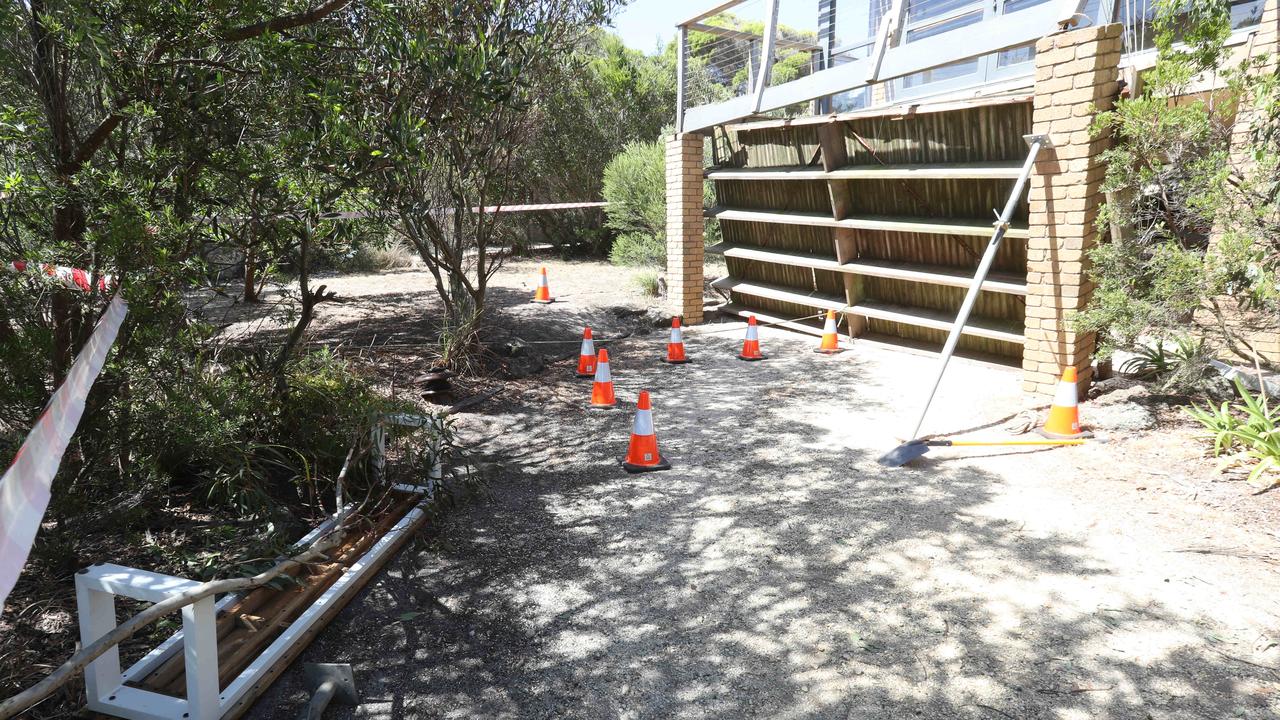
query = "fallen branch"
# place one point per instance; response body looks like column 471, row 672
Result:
column 24, row 700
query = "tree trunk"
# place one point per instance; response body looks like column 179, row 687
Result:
column 68, row 216
column 250, row 276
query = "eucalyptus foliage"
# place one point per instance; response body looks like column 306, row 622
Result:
column 1193, row 220
column 141, row 139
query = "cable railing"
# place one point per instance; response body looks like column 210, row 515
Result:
column 742, row 58
column 736, row 51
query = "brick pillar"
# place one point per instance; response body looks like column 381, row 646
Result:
column 880, row 94
column 1076, row 77
column 685, row 227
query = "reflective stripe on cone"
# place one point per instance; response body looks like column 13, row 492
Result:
column 751, row 346
column 642, row 451
column 587, row 355
column 602, row 389
column 675, row 347
column 830, row 344
column 543, row 293
column 1063, row 422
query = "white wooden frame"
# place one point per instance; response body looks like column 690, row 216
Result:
column 96, row 590
column 98, row 586
column 379, row 451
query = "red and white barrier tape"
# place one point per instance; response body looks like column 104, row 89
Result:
column 25, row 486
column 74, row 278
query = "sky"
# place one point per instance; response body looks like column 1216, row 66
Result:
column 646, row 24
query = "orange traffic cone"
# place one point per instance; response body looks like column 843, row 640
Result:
column 830, row 341
column 675, row 348
column 1064, row 415
column 751, row 346
column 543, row 293
column 642, row 453
column 602, row 388
column 587, row 356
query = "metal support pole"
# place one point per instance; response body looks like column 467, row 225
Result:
column 320, row 701
column 682, row 63
column 885, row 36
column 766, row 54
column 827, row 43
column 1037, row 142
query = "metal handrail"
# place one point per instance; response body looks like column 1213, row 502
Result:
column 891, row 58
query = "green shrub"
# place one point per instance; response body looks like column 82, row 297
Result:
column 390, row 253
column 647, row 282
column 635, row 188
column 638, row 249
column 1193, row 221
column 220, row 433
column 1184, row 368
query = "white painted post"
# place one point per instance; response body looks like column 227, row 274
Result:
column 884, row 38
column 436, row 476
column 97, row 611
column 200, row 650
column 378, row 438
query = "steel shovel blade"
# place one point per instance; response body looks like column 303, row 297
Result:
column 904, row 454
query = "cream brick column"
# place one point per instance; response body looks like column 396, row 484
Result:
column 880, row 94
column 1260, row 331
column 1263, row 48
column 1076, row 77
column 685, row 227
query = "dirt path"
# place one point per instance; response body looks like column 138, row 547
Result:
column 778, row 572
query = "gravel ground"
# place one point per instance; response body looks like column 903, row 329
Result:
column 778, row 572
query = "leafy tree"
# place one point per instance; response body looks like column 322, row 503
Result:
column 114, row 113
column 449, row 155
column 1195, row 223
column 601, row 97
column 136, row 137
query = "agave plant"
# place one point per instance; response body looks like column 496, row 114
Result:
column 1184, row 367
column 1148, row 362
column 1250, row 428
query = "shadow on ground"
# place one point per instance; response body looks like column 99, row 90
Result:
column 776, row 572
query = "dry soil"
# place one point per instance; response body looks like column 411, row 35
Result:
column 777, row 571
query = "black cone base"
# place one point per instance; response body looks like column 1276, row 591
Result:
column 751, row 359
column 633, row 469
column 676, row 362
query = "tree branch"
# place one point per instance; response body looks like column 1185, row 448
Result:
column 285, row 22
column 93, row 142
